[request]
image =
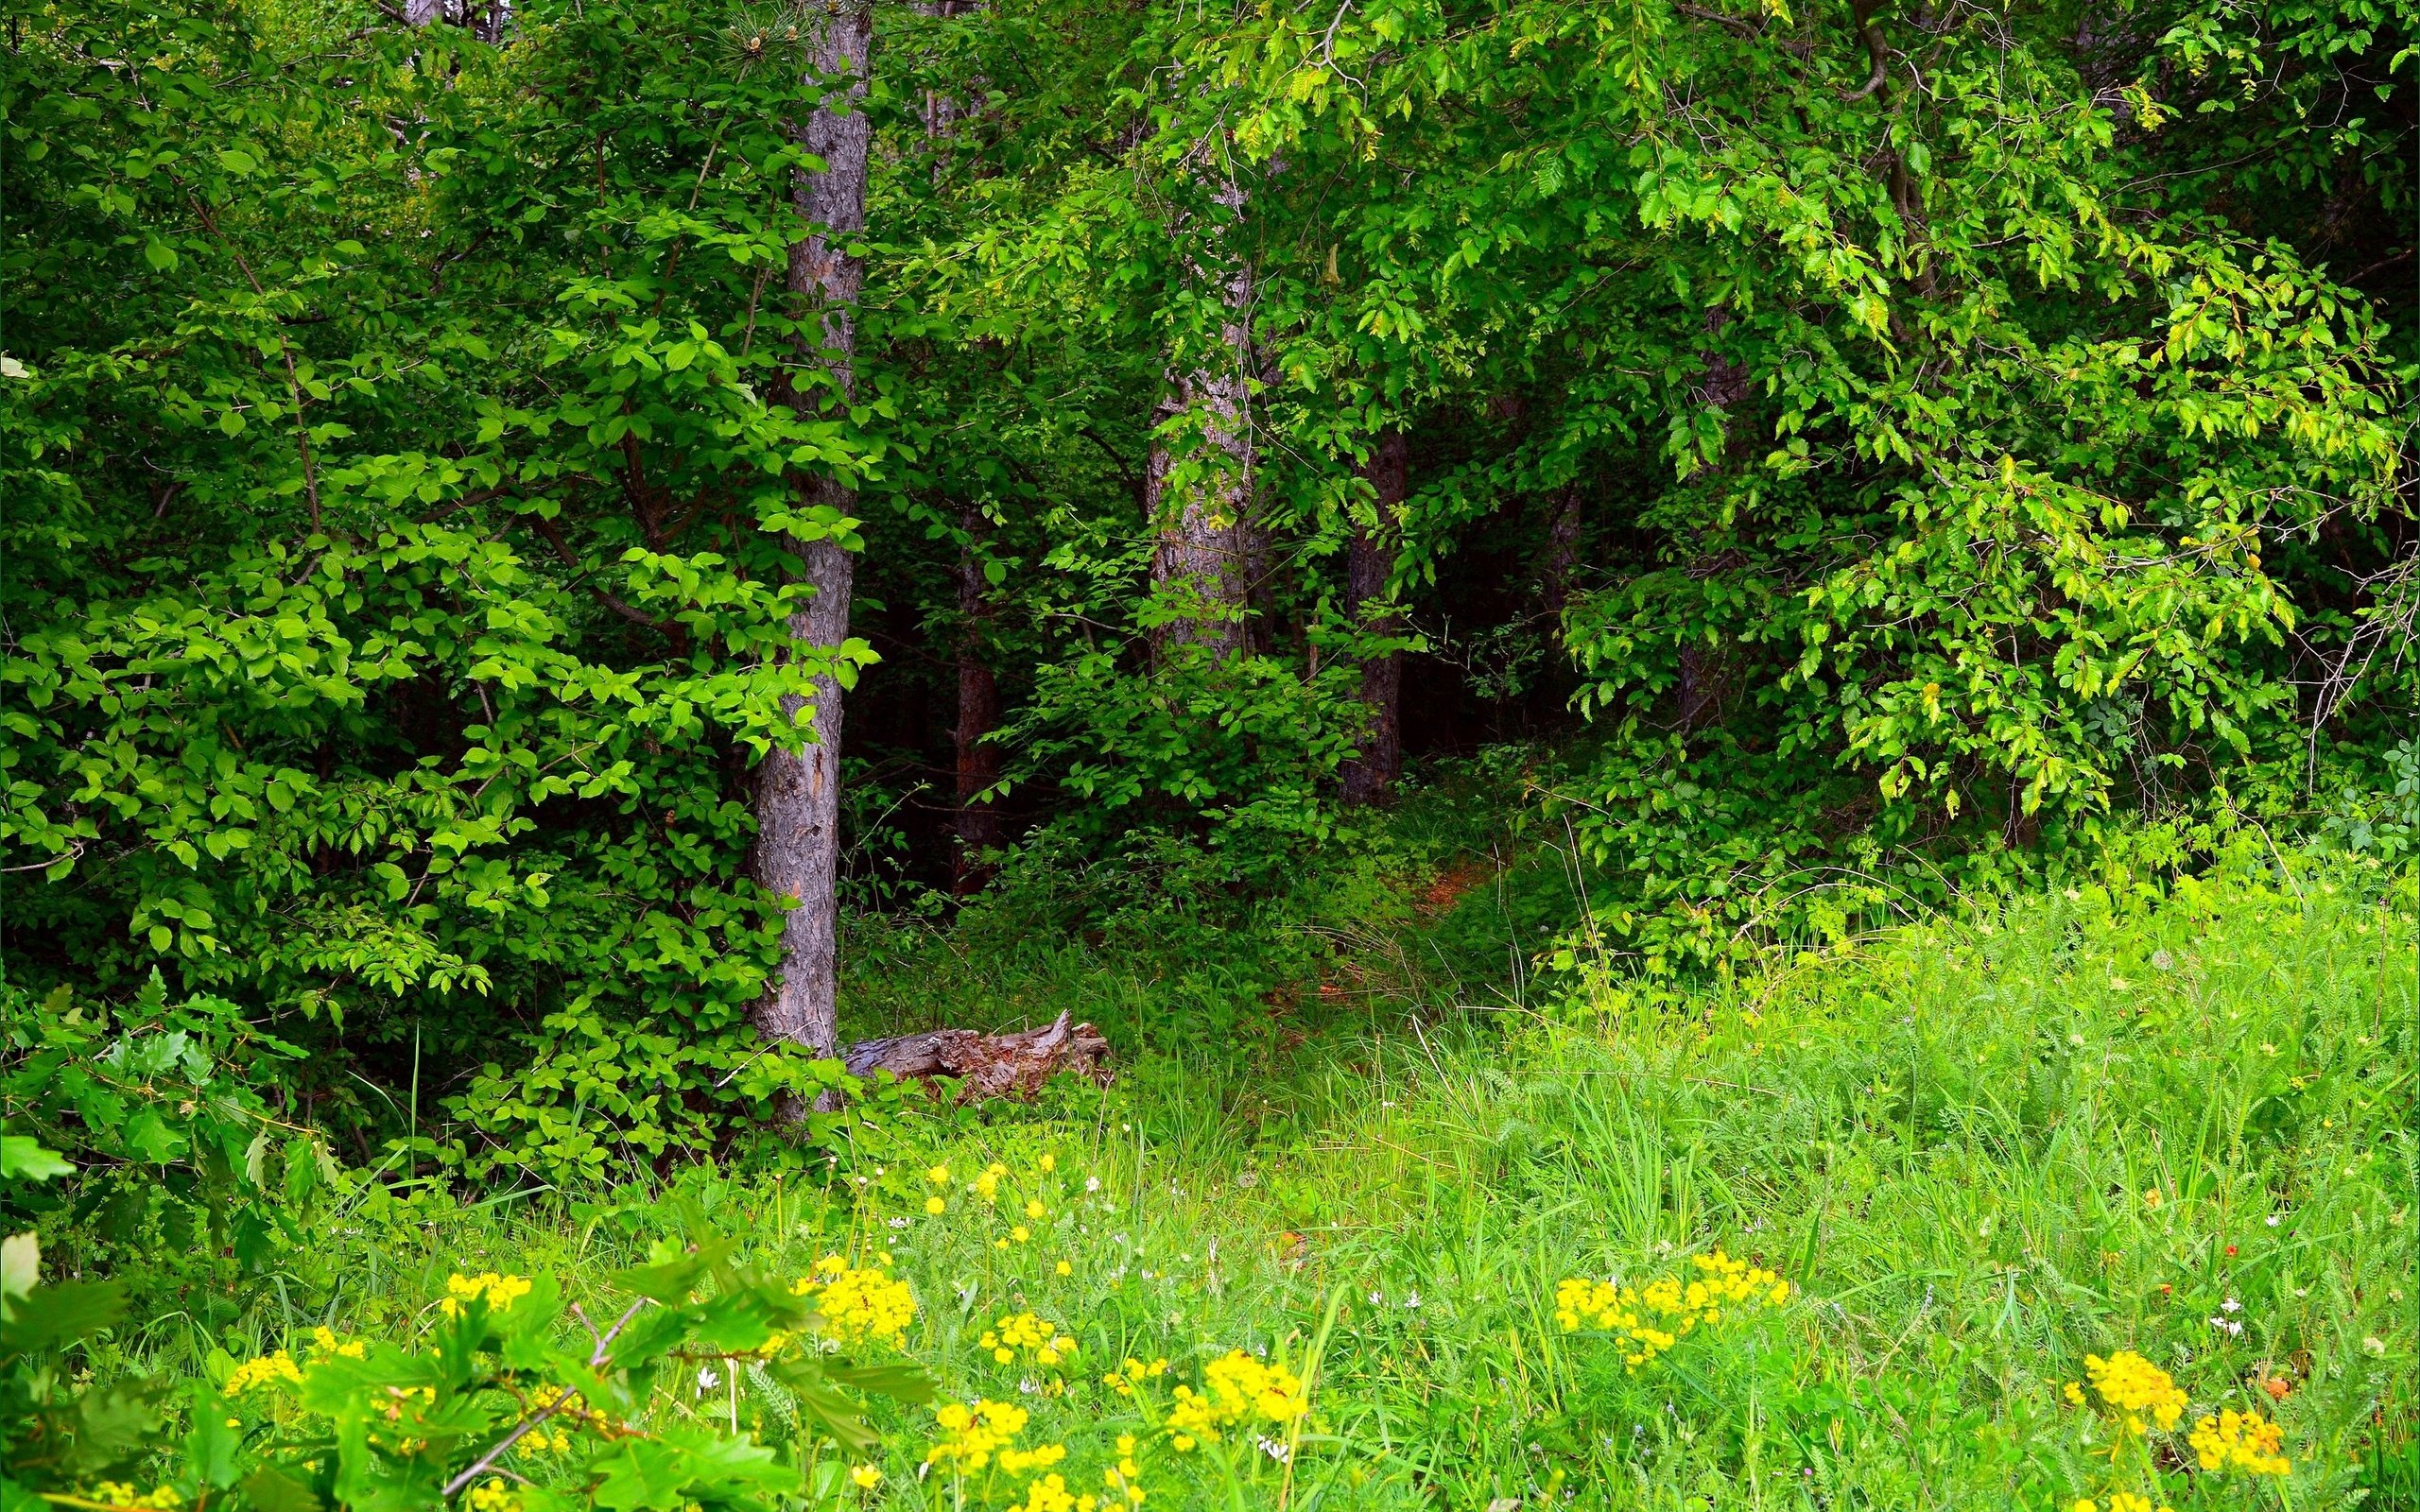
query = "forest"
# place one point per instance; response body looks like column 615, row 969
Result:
column 1066, row 755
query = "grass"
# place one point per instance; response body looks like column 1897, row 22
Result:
column 1979, row 1149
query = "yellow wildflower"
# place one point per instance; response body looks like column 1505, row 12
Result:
column 1048, row 1161
column 1122, row 1379
column 866, row 1476
column 1235, row 1388
column 325, row 1341
column 986, row 1185
column 1065, row 1270
column 121, row 1494
column 498, row 1292
column 2240, row 1440
column 973, row 1432
column 1651, row 1319
column 1020, row 1233
column 2134, row 1386
column 936, row 1205
column 2129, row 1501
column 1018, row 1461
column 268, row 1370
column 495, row 1494
column 938, row 1176
column 859, row 1302
column 1034, row 1209
column 1049, row 1494
column 1023, row 1331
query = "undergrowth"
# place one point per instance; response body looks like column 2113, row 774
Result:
column 2168, row 1129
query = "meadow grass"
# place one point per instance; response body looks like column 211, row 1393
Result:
column 1980, row 1151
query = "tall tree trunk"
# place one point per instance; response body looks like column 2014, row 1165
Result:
column 1370, row 778
column 798, row 792
column 1201, row 558
column 979, row 714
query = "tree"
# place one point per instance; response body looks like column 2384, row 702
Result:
column 1197, row 492
column 798, row 793
column 1369, row 776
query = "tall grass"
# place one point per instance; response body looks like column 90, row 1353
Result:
column 1981, row 1149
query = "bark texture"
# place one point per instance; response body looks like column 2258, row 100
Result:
column 1203, row 557
column 988, row 1065
column 1370, row 778
column 798, row 793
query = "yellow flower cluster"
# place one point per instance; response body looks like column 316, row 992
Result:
column 1124, row 1378
column 860, row 1302
column 2134, row 1386
column 268, row 1370
column 325, row 1341
column 495, row 1494
column 2240, row 1440
column 1049, row 1494
column 1023, row 1331
column 1651, row 1318
column 544, row 1441
column 973, row 1432
column 1124, row 1479
column 1018, row 1461
column 120, row 1494
column 2118, row 1501
column 498, row 1292
column 987, row 1186
column 1238, row 1387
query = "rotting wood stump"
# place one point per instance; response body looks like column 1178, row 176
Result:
column 987, row 1065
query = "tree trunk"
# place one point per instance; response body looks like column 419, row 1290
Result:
column 1200, row 562
column 798, row 795
column 1563, row 552
column 979, row 714
column 1370, row 778
column 988, row 1065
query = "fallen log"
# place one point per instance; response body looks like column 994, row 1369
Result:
column 987, row 1065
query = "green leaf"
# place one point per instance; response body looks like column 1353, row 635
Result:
column 900, row 1382
column 23, row 1159
column 674, row 1280
column 62, row 1312
column 213, row 1445
column 159, row 254
column 273, row 1490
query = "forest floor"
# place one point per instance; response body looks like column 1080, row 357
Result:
column 1977, row 1155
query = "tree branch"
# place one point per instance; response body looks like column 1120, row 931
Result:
column 1870, row 31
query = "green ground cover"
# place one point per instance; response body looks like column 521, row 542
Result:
column 1977, row 1154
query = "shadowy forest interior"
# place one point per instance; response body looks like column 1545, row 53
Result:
column 1073, row 755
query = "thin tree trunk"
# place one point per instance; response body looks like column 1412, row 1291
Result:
column 1563, row 552
column 798, row 793
column 979, row 714
column 1370, row 778
column 1200, row 562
